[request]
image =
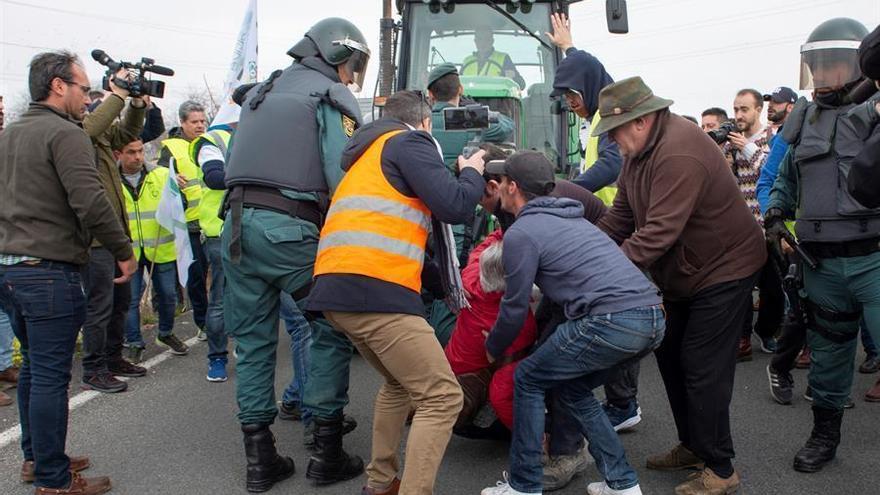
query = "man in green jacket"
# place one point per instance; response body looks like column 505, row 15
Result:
column 108, row 302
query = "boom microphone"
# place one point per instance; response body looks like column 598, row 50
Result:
column 163, row 71
column 102, row 58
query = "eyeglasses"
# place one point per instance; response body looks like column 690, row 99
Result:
column 85, row 89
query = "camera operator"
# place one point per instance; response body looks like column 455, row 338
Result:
column 712, row 118
column 107, row 303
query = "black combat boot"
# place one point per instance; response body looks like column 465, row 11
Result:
column 264, row 466
column 822, row 444
column 330, row 463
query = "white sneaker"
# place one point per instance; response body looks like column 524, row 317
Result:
column 201, row 335
column 504, row 488
column 602, row 488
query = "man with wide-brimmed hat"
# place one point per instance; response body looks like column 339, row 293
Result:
column 679, row 215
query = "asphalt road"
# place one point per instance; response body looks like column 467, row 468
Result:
column 175, row 433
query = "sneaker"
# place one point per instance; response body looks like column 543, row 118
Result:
column 808, row 396
column 623, row 419
column 781, row 386
column 201, row 336
column 289, row 411
column 768, row 344
column 121, row 367
column 706, row 482
column 171, row 341
column 680, row 457
column 871, row 365
column 217, row 370
column 803, row 360
column 602, row 488
column 561, row 469
column 103, row 382
column 744, row 349
column 503, row 488
column 135, row 353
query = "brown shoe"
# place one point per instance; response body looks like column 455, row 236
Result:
column 391, row 490
column 9, row 375
column 706, row 482
column 873, row 394
column 803, row 359
column 77, row 464
column 78, row 486
column 677, row 458
column 744, row 349
column 5, row 399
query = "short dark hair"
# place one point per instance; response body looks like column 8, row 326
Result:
column 47, row 66
column 717, row 112
column 409, row 107
column 759, row 98
column 119, row 146
column 446, row 88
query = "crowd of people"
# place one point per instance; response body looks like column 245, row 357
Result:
column 492, row 296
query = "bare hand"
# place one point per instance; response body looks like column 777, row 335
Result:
column 181, row 181
column 475, row 162
column 121, row 75
column 127, row 267
column 561, row 35
column 737, row 140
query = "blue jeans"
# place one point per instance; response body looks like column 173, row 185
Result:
column 580, row 356
column 47, row 306
column 217, row 340
column 165, row 283
column 6, row 337
column 300, row 340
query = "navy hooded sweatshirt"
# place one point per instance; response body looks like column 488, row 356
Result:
column 573, row 262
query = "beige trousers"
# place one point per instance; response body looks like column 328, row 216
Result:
column 417, row 376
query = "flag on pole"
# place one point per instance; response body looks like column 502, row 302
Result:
column 243, row 69
column 170, row 215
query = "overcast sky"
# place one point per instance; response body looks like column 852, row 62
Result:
column 697, row 52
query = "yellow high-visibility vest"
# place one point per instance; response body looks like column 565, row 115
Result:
column 591, row 155
column 184, row 165
column 146, row 233
column 212, row 199
column 493, row 66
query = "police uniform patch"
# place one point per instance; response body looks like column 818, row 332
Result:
column 348, row 124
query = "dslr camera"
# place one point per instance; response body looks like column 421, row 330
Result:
column 139, row 84
column 721, row 134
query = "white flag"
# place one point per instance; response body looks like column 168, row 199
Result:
column 243, row 69
column 170, row 215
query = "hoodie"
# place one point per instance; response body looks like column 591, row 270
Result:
column 574, row 264
column 412, row 164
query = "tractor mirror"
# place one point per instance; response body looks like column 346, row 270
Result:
column 615, row 11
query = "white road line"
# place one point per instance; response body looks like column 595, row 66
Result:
column 13, row 433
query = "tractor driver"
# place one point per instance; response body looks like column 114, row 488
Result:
column 487, row 61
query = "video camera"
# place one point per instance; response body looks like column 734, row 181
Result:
column 139, row 85
column 469, row 118
column 721, row 134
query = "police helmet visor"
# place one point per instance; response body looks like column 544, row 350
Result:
column 356, row 65
column 829, row 64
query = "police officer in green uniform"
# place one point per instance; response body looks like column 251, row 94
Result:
column 825, row 135
column 281, row 172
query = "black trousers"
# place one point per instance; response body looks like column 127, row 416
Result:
column 697, row 360
column 197, row 283
column 107, row 306
column 772, row 308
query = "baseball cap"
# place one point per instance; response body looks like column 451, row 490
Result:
column 782, row 94
column 531, row 171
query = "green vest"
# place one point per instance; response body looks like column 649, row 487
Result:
column 212, row 199
column 591, row 154
column 146, row 233
column 493, row 66
column 184, row 165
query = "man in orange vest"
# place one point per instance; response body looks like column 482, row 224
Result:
column 368, row 270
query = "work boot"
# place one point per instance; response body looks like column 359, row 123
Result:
column 821, row 447
column 559, row 470
column 678, row 458
column 873, row 393
column 392, row 489
column 348, row 426
column 706, row 482
column 121, row 367
column 77, row 464
column 330, row 463
column 9, row 375
column 803, row 360
column 78, row 486
column 264, row 466
column 744, row 349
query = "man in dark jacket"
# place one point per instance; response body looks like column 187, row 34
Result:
column 49, row 211
column 368, row 271
column 679, row 215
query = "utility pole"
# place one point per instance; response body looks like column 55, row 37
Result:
column 386, row 64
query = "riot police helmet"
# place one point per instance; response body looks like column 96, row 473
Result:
column 339, row 43
column 830, row 57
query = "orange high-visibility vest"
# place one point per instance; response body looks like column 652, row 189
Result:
column 372, row 229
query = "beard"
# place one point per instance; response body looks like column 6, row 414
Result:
column 505, row 219
column 777, row 117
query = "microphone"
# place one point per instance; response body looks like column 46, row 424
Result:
column 164, row 71
column 102, row 58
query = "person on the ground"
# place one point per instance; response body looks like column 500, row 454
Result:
column 104, row 329
column 49, row 212
column 824, row 135
column 679, row 215
column 712, row 118
column 613, row 314
column 487, row 61
column 142, row 188
column 304, row 114
column 579, row 78
column 175, row 147
column 368, row 281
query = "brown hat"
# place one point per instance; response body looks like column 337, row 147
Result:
column 625, row 101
